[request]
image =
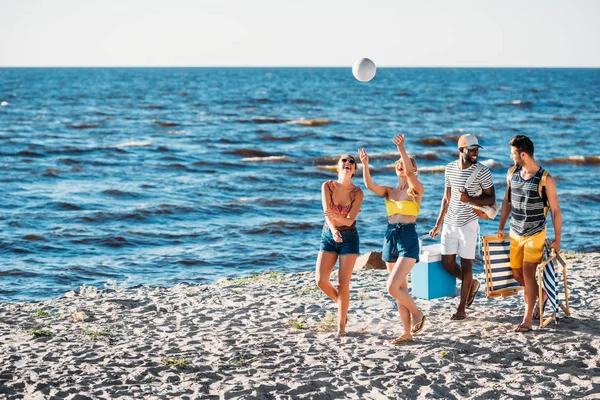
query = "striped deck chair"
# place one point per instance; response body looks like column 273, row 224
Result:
column 546, row 271
column 499, row 279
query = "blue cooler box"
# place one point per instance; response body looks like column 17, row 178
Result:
column 429, row 279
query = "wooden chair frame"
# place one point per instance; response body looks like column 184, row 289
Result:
column 489, row 287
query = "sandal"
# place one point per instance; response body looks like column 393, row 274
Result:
column 523, row 328
column 418, row 327
column 401, row 340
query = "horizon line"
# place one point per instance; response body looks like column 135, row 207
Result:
column 306, row 66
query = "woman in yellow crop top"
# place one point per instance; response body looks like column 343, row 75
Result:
column 401, row 243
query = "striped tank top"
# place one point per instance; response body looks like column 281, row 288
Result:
column 527, row 207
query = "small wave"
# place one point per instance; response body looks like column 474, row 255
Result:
column 25, row 153
column 564, row 119
column 189, row 263
column 132, row 144
column 310, row 122
column 51, row 173
column 302, row 101
column 270, row 138
column 156, row 107
column 248, row 153
column 517, row 103
column 180, row 167
column 402, row 94
column 434, row 169
column 266, row 120
column 279, row 228
column 577, row 160
column 69, row 161
column 432, row 141
column 120, row 193
column 165, row 124
column 83, row 126
column 34, row 238
column 490, row 163
column 261, row 100
column 595, row 197
column 266, row 159
column 428, row 155
column 18, row 272
column 61, row 205
column 175, row 132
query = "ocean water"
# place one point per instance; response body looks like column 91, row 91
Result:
column 158, row 176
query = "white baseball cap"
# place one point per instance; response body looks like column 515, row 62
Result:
column 468, row 140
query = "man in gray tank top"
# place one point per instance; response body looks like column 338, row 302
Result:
column 530, row 192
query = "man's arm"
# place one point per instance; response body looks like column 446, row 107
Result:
column 555, row 210
column 443, row 209
column 505, row 212
column 487, row 198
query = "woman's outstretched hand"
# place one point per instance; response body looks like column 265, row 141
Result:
column 364, row 158
column 399, row 142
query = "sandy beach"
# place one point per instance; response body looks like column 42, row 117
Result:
column 272, row 336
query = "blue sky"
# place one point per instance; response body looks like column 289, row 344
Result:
column 461, row 33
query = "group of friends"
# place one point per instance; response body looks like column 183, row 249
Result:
column 467, row 184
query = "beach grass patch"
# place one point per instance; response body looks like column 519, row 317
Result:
column 78, row 316
column 39, row 332
column 274, row 276
column 444, row 353
column 328, row 323
column 305, row 290
column 178, row 362
column 95, row 333
column 235, row 291
column 298, row 324
column 40, row 313
column 362, row 296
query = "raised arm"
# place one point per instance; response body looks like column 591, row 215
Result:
column 556, row 212
column 377, row 189
column 409, row 170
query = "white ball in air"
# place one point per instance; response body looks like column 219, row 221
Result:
column 364, row 70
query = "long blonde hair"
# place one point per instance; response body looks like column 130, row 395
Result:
column 411, row 192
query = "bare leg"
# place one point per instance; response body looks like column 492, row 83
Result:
column 345, row 273
column 390, row 267
column 325, row 263
column 466, row 287
column 531, row 291
column 398, row 288
column 449, row 263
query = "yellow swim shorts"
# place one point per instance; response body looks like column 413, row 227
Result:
column 526, row 249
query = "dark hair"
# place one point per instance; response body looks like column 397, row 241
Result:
column 523, row 144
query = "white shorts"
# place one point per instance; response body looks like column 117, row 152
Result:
column 460, row 240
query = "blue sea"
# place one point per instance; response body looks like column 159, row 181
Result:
column 163, row 175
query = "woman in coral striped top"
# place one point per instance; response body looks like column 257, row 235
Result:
column 339, row 238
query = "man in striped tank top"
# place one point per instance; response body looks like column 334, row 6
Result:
column 460, row 223
column 527, row 208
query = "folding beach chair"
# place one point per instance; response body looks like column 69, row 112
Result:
column 546, row 271
column 499, row 281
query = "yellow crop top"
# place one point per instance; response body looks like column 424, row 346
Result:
column 404, row 207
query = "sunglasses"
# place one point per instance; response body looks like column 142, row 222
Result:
column 350, row 160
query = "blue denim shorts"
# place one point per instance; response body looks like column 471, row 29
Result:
column 401, row 240
column 350, row 244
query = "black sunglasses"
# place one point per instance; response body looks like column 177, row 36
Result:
column 351, row 160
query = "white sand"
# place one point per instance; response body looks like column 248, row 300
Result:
column 236, row 341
